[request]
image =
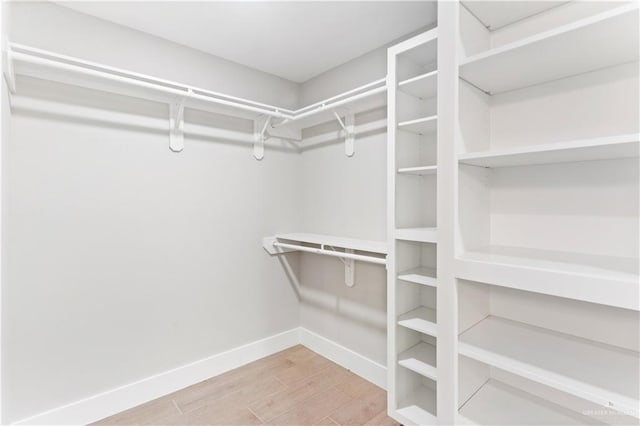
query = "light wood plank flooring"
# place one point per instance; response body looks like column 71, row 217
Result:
column 293, row 387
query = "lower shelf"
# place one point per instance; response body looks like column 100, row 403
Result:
column 420, row 275
column 419, row 408
column 421, row 319
column 603, row 374
column 421, row 359
column 499, row 404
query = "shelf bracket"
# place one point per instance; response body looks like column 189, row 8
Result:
column 350, row 134
column 259, row 136
column 176, row 124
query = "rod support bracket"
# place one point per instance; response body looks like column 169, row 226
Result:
column 176, row 123
column 260, row 136
column 349, row 131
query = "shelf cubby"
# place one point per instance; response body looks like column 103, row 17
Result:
column 606, row 39
column 549, row 357
column 423, row 86
column 496, row 403
column 416, row 398
column 420, row 359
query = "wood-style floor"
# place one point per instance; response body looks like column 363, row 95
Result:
column 293, row 387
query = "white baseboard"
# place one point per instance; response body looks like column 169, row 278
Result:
column 345, row 357
column 128, row 396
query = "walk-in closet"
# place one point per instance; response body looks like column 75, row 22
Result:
column 320, row 213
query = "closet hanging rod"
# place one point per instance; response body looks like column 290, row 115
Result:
column 342, row 95
column 20, row 53
column 331, row 106
column 361, row 257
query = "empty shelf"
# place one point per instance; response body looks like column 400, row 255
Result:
column 604, row 280
column 423, row 86
column 498, row 404
column 599, row 373
column 420, row 126
column 419, row 171
column 421, row 359
column 606, row 39
column 421, row 319
column 419, row 408
column 423, row 235
column 421, row 275
column 606, row 148
column 330, row 240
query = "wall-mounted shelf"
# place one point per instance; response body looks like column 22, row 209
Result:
column 496, row 403
column 422, row 235
column 606, row 39
column 420, row 275
column 420, row 126
column 605, row 148
column 420, row 359
column 328, row 245
column 599, row 279
column 364, row 98
column 421, row 319
column 597, row 372
column 269, row 120
column 424, row 86
column 418, row 171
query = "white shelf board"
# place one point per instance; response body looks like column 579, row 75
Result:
column 420, row 126
column 424, row 86
column 606, row 39
column 420, row 359
column 611, row 281
column 496, row 403
column 494, row 14
column 421, row 319
column 420, row 275
column 419, row 171
column 323, row 114
column 422, row 235
column 418, row 409
column 333, row 241
column 605, row 148
column 599, row 373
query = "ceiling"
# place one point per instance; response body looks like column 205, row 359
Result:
column 293, row 40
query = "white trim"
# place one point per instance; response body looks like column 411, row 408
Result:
column 111, row 402
column 128, row 396
column 345, row 357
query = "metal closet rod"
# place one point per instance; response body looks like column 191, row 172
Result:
column 44, row 58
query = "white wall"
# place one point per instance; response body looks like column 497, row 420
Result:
column 123, row 259
column 345, row 196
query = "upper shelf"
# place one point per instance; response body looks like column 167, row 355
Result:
column 498, row 14
column 605, row 280
column 606, row 39
column 605, row 148
column 42, row 64
column 599, row 373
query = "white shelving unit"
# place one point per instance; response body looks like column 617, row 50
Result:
column 545, row 271
column 411, row 269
